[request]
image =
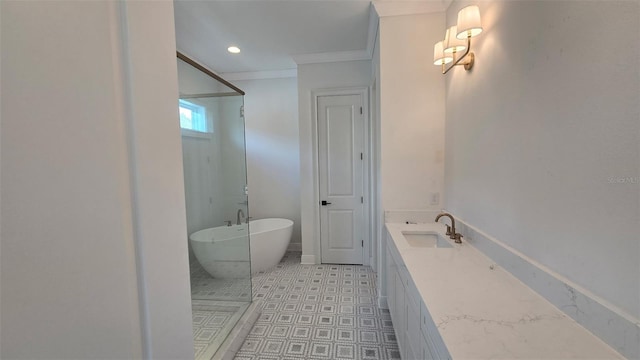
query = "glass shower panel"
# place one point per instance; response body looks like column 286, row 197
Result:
column 215, row 176
column 217, row 203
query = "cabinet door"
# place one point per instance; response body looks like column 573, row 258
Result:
column 400, row 325
column 413, row 336
column 410, row 353
column 391, row 286
column 426, row 351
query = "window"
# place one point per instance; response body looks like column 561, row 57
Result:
column 192, row 116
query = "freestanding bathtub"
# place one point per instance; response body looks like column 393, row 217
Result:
column 222, row 250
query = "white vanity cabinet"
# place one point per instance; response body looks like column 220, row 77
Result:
column 425, row 286
column 411, row 321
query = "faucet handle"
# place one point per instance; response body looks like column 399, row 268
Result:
column 228, row 222
column 448, row 230
column 457, row 238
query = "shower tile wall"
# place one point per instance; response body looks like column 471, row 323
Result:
column 319, row 312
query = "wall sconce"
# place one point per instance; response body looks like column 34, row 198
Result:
column 457, row 40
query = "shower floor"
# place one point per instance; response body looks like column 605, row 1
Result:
column 212, row 322
column 217, row 305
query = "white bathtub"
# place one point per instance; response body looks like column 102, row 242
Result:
column 222, row 250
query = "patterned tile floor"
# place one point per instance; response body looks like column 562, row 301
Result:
column 205, row 287
column 216, row 305
column 210, row 321
column 318, row 312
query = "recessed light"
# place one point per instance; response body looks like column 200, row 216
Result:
column 233, row 49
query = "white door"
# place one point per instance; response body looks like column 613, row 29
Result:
column 341, row 166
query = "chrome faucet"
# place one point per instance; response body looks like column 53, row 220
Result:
column 238, row 218
column 451, row 230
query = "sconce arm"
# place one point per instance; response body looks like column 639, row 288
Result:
column 467, row 64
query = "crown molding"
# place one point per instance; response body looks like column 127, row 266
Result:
column 398, row 8
column 261, row 75
column 335, row 56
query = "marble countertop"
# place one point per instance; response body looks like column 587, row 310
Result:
column 484, row 312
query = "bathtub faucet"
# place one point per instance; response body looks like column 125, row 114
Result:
column 240, row 217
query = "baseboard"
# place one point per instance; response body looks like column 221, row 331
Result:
column 308, row 260
column 618, row 329
column 382, row 302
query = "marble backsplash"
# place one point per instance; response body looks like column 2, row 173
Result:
column 412, row 216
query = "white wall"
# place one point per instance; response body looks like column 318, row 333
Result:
column 273, row 161
column 412, row 112
column 538, row 133
column 315, row 77
column 411, row 107
column 92, row 263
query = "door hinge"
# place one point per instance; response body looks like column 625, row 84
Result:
column 362, row 243
column 242, row 111
column 360, row 110
column 361, row 199
column 361, row 156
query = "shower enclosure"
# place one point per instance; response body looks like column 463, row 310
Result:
column 215, row 178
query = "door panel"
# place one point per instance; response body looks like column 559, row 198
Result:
column 340, row 145
column 340, row 124
column 341, row 227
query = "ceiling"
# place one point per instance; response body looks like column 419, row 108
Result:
column 270, row 33
column 277, row 35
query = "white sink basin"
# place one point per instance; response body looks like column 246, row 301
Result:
column 425, row 239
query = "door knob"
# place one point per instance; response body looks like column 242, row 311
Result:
column 325, row 203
